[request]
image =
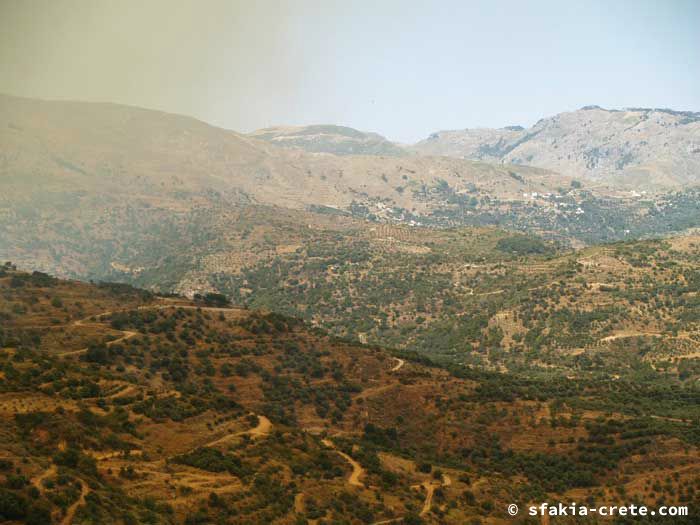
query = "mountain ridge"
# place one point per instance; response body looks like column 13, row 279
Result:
column 330, row 138
column 91, row 188
column 634, row 147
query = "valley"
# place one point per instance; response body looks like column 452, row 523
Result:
column 313, row 325
column 200, row 408
column 349, row 263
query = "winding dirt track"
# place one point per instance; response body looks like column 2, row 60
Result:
column 629, row 334
column 126, row 334
column 262, row 429
column 70, row 513
column 399, row 364
column 429, row 491
column 430, row 487
column 357, row 469
column 37, row 481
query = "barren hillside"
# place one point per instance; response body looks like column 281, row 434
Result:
column 641, row 148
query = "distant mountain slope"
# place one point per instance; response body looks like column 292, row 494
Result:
column 338, row 140
column 652, row 148
column 85, row 185
column 117, row 150
column 89, row 189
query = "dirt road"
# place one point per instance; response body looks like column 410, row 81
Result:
column 37, row 481
column 399, row 364
column 262, row 429
column 126, row 334
column 70, row 513
column 357, row 469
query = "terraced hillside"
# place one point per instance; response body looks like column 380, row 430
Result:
column 120, row 406
column 478, row 296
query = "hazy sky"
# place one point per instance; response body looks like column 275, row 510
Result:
column 401, row 68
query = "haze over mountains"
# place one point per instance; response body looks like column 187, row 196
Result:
column 644, row 149
column 339, row 140
column 107, row 146
column 639, row 148
column 260, row 264
column 417, row 336
column 98, row 190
